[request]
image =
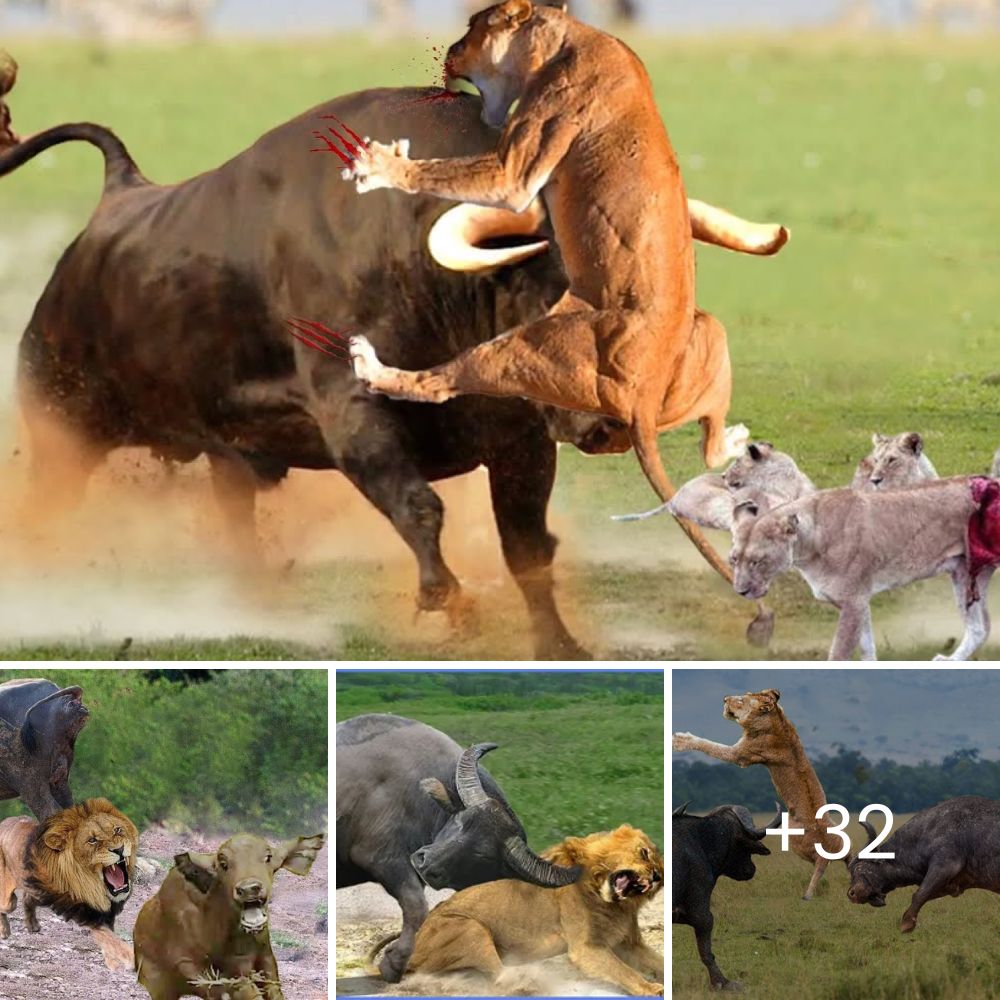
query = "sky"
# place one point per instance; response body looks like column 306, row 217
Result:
column 907, row 715
column 298, row 16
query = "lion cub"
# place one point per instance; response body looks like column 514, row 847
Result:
column 770, row 739
column 595, row 919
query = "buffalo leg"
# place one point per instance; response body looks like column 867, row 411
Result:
column 703, row 937
column 406, row 888
column 520, row 486
column 380, row 469
column 817, row 874
column 939, row 876
column 235, row 488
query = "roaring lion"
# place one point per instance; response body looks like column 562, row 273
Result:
column 770, row 739
column 79, row 863
column 595, row 919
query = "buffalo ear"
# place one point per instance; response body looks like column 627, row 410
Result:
column 436, row 790
column 299, row 854
column 198, row 869
column 914, row 442
column 512, row 13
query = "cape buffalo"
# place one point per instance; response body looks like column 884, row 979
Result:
column 411, row 802
column 39, row 724
column 164, row 325
column 704, row 849
column 944, row 850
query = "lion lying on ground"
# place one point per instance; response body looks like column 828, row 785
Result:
column 594, row 920
column 770, row 739
column 79, row 863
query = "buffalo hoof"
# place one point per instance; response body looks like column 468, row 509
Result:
column 728, row 986
column 565, row 648
column 392, row 966
column 908, row 924
column 760, row 630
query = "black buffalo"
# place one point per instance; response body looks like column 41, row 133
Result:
column 944, row 850
column 39, row 724
column 412, row 805
column 705, row 848
column 164, row 325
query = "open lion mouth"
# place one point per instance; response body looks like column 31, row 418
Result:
column 116, row 880
column 254, row 917
column 629, row 883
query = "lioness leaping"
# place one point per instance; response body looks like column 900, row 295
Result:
column 850, row 545
column 625, row 340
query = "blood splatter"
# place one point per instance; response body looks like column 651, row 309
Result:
column 320, row 338
column 350, row 151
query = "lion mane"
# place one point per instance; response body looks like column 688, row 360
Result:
column 70, row 885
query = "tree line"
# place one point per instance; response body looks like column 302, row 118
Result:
column 848, row 778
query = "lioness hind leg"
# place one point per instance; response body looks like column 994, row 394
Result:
column 817, row 874
column 453, row 942
column 976, row 614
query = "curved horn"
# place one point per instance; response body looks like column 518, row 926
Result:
column 870, row 830
column 715, row 225
column 8, row 77
column 467, row 780
column 28, row 727
column 681, row 810
column 530, row 867
column 454, row 239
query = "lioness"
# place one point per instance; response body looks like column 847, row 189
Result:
column 79, row 862
column 626, row 339
column 770, row 739
column 594, row 920
column 894, row 462
column 850, row 545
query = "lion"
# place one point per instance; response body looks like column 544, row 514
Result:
column 894, row 463
column 770, row 739
column 625, row 340
column 594, row 920
column 850, row 545
column 79, row 862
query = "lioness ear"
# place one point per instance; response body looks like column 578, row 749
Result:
column 198, row 869
column 438, row 793
column 759, row 450
column 914, row 442
column 773, row 692
column 790, row 524
column 511, row 14
column 878, row 439
column 300, row 853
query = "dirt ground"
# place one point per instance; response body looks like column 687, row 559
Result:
column 366, row 913
column 63, row 963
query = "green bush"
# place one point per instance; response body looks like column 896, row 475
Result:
column 245, row 748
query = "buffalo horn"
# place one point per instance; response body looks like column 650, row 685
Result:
column 467, row 782
column 680, row 810
column 530, row 867
column 454, row 239
column 870, row 830
column 715, row 225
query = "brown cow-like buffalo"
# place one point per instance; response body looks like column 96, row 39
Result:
column 208, row 924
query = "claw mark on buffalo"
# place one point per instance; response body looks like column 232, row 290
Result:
column 349, row 153
column 320, row 338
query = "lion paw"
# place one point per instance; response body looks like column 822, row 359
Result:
column 683, row 741
column 117, row 955
column 735, row 441
column 365, row 362
column 378, row 165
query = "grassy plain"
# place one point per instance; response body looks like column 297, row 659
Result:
column 879, row 153
column 777, row 945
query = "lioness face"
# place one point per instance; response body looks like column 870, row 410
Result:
column 103, row 844
column 503, row 48
column 745, row 708
column 761, row 551
column 894, row 461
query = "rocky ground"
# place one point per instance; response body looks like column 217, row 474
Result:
column 366, row 913
column 63, row 963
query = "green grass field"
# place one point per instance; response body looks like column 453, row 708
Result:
column 880, row 154
column 777, row 945
column 569, row 764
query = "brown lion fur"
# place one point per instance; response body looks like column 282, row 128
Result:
column 480, row 927
column 770, row 739
column 53, row 864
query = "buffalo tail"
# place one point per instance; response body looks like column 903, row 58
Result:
column 371, row 968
